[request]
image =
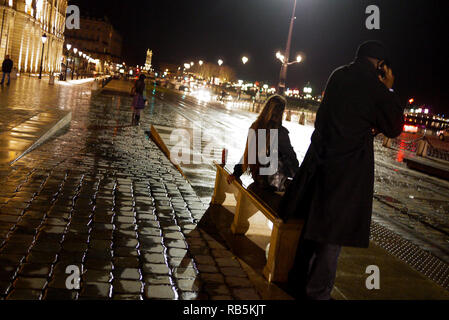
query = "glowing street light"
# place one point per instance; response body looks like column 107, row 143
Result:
column 220, row 62
column 245, row 60
column 200, row 62
column 298, row 58
column 192, row 64
column 68, row 46
column 187, row 65
column 280, row 56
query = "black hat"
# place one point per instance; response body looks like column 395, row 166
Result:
column 373, row 49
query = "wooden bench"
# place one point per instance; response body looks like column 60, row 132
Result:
column 252, row 213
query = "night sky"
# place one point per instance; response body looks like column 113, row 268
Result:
column 326, row 31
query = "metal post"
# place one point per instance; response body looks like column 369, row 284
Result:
column 283, row 75
column 66, row 66
column 42, row 60
column 73, row 68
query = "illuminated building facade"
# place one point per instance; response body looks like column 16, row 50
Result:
column 148, row 62
column 22, row 25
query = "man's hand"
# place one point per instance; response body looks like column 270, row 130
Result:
column 388, row 81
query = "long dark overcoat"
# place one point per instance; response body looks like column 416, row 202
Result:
column 333, row 188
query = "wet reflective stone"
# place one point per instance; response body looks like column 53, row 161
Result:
column 25, row 294
column 127, row 297
column 98, row 265
column 96, row 290
column 159, row 292
column 189, row 284
column 153, row 268
column 238, row 282
column 183, row 273
column 4, row 287
column 30, row 283
column 204, row 268
column 127, row 273
column 216, row 289
column 127, row 286
column 245, row 294
column 59, row 294
column 212, row 277
column 175, row 243
column 126, row 262
column 35, row 270
column 156, row 279
column 203, row 259
column 92, row 275
column 154, row 258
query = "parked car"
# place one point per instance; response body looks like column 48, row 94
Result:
column 184, row 89
column 443, row 134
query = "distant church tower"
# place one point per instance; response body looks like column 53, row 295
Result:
column 149, row 59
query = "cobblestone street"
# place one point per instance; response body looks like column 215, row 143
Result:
column 102, row 197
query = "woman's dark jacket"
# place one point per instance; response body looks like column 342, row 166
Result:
column 287, row 164
column 333, row 189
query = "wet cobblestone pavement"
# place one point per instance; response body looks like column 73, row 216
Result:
column 102, row 197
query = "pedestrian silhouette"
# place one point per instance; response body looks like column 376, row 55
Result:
column 6, row 69
column 333, row 189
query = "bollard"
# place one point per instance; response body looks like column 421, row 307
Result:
column 51, row 79
column 302, row 119
column 421, row 148
column 224, row 157
column 289, row 116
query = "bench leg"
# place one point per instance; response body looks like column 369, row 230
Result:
column 243, row 211
column 281, row 255
column 219, row 195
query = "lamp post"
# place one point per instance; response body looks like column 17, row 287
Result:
column 244, row 60
column 68, row 46
column 283, row 75
column 44, row 39
column 80, row 54
column 75, row 50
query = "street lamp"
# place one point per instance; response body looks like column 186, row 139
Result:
column 283, row 75
column 44, row 39
column 245, row 60
column 220, row 62
column 68, row 46
column 75, row 50
column 200, row 62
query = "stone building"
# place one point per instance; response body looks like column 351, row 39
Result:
column 97, row 38
column 22, row 25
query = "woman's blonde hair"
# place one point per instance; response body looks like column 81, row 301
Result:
column 274, row 106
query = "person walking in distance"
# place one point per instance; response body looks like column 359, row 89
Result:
column 333, row 189
column 6, row 69
column 139, row 99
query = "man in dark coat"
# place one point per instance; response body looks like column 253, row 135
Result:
column 6, row 69
column 333, row 189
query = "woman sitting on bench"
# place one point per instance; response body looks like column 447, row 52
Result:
column 269, row 119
